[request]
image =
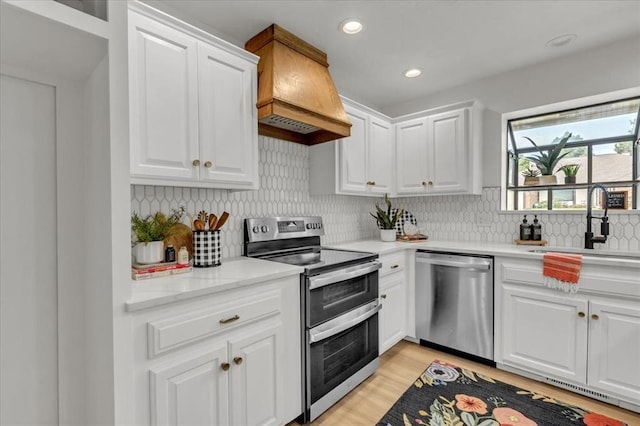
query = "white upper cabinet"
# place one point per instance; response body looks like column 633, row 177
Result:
column 163, row 100
column 381, row 156
column 361, row 164
column 228, row 135
column 412, row 155
column 192, row 100
column 438, row 152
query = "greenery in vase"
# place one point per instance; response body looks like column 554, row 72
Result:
column 155, row 227
column 547, row 159
column 570, row 169
column 385, row 219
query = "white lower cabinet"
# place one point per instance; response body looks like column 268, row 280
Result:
column 545, row 332
column 614, row 346
column 392, row 319
column 588, row 341
column 228, row 359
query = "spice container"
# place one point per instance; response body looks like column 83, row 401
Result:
column 183, row 256
column 170, row 254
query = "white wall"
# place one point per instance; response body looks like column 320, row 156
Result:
column 606, row 69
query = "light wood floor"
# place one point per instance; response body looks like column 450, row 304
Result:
column 400, row 366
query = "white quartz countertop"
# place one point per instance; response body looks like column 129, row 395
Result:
column 233, row 273
column 604, row 257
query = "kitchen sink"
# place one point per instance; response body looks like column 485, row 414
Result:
column 590, row 253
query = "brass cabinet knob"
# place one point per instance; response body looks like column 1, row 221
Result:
column 225, row 366
column 430, row 183
column 595, row 317
column 581, row 314
column 238, row 360
column 384, row 296
column 208, row 164
column 228, row 320
column 196, row 162
column 424, row 183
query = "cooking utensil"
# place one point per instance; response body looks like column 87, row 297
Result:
column 213, row 220
column 203, row 216
column 198, row 225
column 221, row 221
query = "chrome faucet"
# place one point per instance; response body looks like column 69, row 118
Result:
column 589, row 239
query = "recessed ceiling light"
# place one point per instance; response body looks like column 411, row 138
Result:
column 562, row 40
column 351, row 26
column 413, row 72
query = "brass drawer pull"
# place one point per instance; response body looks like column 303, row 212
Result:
column 225, row 366
column 371, row 183
column 238, row 360
column 384, row 296
column 395, row 266
column 228, row 320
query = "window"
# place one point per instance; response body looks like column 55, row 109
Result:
column 596, row 144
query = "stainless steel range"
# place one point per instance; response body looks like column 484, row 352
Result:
column 339, row 306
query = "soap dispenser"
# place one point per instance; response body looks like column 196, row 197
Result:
column 525, row 229
column 536, row 229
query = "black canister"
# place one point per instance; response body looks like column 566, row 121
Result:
column 525, row 229
column 536, row 229
column 170, row 254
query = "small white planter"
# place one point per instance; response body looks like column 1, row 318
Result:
column 388, row 234
column 152, row 252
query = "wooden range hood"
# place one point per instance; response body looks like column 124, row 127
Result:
column 297, row 100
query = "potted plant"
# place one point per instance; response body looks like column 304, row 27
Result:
column 386, row 220
column 570, row 171
column 531, row 176
column 149, row 234
column 547, row 159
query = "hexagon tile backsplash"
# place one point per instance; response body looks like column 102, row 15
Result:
column 284, row 190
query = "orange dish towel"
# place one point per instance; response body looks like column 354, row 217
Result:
column 562, row 271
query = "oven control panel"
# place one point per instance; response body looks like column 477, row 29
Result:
column 282, row 227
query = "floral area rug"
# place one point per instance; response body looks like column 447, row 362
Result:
column 446, row 395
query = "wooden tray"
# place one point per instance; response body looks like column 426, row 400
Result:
column 411, row 238
column 530, row 242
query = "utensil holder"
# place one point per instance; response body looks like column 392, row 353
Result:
column 206, row 249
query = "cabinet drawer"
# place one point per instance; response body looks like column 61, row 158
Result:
column 177, row 331
column 394, row 262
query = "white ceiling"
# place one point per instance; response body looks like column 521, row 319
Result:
column 453, row 41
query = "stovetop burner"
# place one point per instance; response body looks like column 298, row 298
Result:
column 324, row 258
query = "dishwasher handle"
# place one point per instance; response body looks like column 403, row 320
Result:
column 476, row 264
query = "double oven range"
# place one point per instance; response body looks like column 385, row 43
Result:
column 339, row 306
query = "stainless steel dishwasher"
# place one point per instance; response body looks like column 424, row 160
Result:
column 454, row 303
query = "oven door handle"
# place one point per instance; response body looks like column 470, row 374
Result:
column 343, row 275
column 343, row 322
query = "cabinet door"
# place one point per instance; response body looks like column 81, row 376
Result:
column 353, row 154
column 544, row 333
column 228, row 122
column 448, row 157
column 412, row 154
column 193, row 391
column 392, row 317
column 163, row 100
column 614, row 348
column 256, row 379
column 381, row 164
